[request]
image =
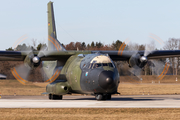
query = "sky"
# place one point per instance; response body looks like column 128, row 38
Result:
column 90, row 20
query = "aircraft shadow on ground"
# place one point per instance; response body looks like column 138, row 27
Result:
column 132, row 99
column 118, row 99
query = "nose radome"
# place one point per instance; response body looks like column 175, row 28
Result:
column 109, row 80
column 106, row 80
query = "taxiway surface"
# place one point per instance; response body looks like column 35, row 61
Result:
column 136, row 101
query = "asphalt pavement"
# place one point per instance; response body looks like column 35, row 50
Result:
column 75, row 101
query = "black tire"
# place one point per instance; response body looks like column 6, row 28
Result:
column 59, row 97
column 99, row 97
column 50, row 96
column 108, row 97
column 56, row 97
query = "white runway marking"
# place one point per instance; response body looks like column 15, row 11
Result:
column 151, row 101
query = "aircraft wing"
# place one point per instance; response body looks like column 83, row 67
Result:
column 125, row 55
column 64, row 55
column 12, row 56
column 45, row 56
column 163, row 54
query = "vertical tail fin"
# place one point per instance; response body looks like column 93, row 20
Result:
column 53, row 43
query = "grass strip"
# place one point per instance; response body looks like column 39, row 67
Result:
column 90, row 114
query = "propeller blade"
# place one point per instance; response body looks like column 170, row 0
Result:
column 23, row 71
column 136, row 71
column 157, row 67
column 42, row 49
column 149, row 48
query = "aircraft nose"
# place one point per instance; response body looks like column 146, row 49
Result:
column 109, row 80
column 106, row 79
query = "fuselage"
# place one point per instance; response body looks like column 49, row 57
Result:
column 91, row 74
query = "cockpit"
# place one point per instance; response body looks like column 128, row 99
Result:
column 101, row 61
column 99, row 74
column 98, row 65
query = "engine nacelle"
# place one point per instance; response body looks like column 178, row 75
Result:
column 137, row 60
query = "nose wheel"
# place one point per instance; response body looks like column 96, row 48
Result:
column 55, row 97
column 100, row 97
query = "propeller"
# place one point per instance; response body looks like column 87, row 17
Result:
column 32, row 61
column 139, row 59
column 21, row 72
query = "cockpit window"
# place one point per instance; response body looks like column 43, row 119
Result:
column 105, row 64
column 97, row 65
column 90, row 66
column 110, row 64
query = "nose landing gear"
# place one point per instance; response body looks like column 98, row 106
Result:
column 100, row 97
column 55, row 97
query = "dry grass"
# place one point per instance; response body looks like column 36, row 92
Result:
column 149, row 85
column 150, row 79
column 90, row 114
column 152, row 89
column 9, row 87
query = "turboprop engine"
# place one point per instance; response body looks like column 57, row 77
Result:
column 137, row 60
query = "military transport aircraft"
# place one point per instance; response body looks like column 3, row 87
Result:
column 83, row 72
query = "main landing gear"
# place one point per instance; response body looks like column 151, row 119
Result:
column 103, row 97
column 55, row 97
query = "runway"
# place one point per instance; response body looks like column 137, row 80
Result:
column 136, row 101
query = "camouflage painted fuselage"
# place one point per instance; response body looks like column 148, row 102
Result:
column 87, row 74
